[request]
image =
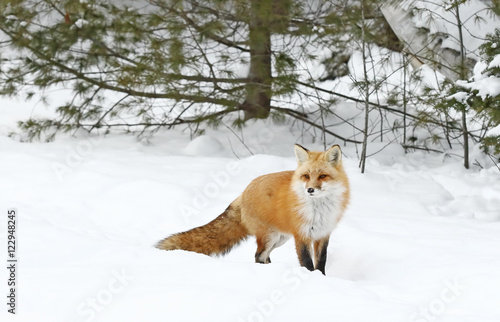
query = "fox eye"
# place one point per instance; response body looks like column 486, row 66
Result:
column 322, row 176
column 306, row 176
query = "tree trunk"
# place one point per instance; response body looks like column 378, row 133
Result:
column 362, row 162
column 257, row 103
column 463, row 75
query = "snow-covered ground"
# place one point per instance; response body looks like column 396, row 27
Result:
column 419, row 242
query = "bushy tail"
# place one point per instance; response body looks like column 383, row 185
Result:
column 217, row 237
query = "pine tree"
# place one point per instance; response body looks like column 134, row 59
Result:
column 445, row 102
column 481, row 99
column 162, row 63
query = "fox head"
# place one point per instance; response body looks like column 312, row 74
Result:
column 319, row 173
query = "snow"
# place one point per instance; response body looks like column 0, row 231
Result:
column 439, row 17
column 494, row 131
column 204, row 145
column 80, row 23
column 495, row 62
column 460, row 96
column 484, row 84
column 489, row 86
column 419, row 242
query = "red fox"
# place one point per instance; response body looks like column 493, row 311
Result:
column 305, row 204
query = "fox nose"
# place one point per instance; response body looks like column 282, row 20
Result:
column 310, row 190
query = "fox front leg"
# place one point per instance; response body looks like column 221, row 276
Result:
column 320, row 251
column 304, row 253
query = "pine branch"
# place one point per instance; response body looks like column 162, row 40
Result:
column 177, row 121
column 128, row 91
column 97, row 124
column 305, row 120
column 208, row 34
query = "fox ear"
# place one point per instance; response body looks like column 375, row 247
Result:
column 301, row 153
column 333, row 155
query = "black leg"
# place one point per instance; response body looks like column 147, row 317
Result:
column 320, row 252
column 304, row 252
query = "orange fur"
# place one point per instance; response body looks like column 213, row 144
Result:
column 305, row 204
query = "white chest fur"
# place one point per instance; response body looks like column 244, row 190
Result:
column 320, row 214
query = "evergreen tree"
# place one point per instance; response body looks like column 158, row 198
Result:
column 444, row 46
column 481, row 95
column 162, row 63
